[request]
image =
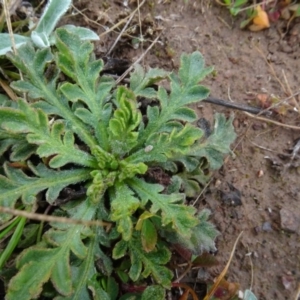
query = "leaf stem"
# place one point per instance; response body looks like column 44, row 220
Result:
column 9, row 227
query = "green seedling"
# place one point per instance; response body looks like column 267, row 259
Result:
column 78, row 130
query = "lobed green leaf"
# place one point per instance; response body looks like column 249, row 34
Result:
column 217, row 144
column 145, row 264
column 180, row 216
column 123, row 205
column 16, row 184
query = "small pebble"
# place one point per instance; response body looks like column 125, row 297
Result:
column 218, row 183
column 260, row 173
column 266, row 227
column 289, row 221
column 287, row 281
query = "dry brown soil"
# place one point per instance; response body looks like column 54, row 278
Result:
column 246, row 64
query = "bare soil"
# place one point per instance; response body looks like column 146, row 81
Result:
column 248, row 67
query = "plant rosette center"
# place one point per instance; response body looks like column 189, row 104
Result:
column 111, row 172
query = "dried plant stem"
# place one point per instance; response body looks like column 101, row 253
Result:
column 11, row 35
column 122, row 21
column 140, row 23
column 9, row 27
column 41, row 217
column 290, row 92
column 272, row 121
column 263, row 148
column 126, row 25
column 189, row 266
column 221, row 276
column 271, row 68
column 85, row 16
column 280, row 102
column 203, row 190
column 298, row 293
column 119, row 36
column 8, row 90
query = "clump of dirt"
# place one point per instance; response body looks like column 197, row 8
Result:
column 248, row 67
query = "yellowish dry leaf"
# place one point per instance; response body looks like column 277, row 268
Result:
column 260, row 21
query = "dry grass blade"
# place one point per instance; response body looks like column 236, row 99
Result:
column 120, row 35
column 8, row 90
column 286, row 89
column 9, row 27
column 80, row 12
column 290, row 92
column 41, row 217
column 11, row 33
column 223, row 273
column 271, row 67
column 125, row 27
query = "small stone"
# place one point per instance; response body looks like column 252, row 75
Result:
column 218, row 183
column 260, row 173
column 257, row 229
column 287, row 281
column 236, row 123
column 289, row 221
column 266, row 227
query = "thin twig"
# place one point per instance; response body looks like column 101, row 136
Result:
column 11, row 35
column 290, row 92
column 120, row 35
column 41, row 217
column 203, row 190
column 225, row 23
column 184, row 273
column 125, row 27
column 121, row 22
column 261, row 147
column 271, row 67
column 272, row 121
column 9, row 27
column 280, row 102
column 90, row 20
column 140, row 24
